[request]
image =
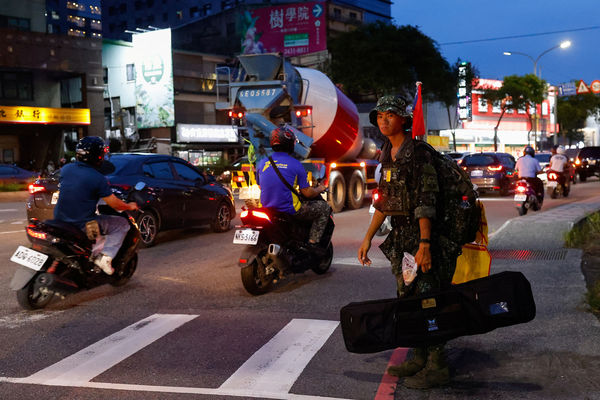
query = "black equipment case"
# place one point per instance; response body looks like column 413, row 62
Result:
column 473, row 307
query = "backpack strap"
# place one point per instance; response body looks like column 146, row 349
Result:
column 286, row 183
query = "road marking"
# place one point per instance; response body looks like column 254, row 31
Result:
column 20, row 231
column 276, row 366
column 268, row 374
column 18, row 222
column 387, row 387
column 507, row 198
column 9, row 210
column 90, row 362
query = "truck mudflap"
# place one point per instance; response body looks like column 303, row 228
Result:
column 21, row 278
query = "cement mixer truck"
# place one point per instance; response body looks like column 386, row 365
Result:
column 265, row 91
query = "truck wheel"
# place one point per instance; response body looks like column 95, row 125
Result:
column 356, row 191
column 337, row 191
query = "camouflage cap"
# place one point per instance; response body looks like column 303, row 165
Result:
column 395, row 104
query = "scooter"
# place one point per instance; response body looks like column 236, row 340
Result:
column 276, row 245
column 526, row 197
column 59, row 260
column 557, row 185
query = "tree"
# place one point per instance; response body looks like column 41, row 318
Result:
column 377, row 59
column 516, row 93
column 572, row 113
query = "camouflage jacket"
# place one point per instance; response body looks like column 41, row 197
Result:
column 409, row 191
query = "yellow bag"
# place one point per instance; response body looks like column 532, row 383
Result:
column 475, row 261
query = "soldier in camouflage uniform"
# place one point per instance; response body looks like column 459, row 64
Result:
column 409, row 193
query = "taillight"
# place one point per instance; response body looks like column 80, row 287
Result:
column 244, row 214
column 33, row 188
column 577, row 161
column 552, row 176
column 37, row 235
column 238, row 179
column 261, row 215
column 521, row 189
column 375, row 195
column 495, row 169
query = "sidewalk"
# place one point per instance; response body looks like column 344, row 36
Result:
column 555, row 356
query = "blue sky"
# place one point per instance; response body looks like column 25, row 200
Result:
column 447, row 21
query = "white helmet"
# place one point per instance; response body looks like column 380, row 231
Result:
column 560, row 150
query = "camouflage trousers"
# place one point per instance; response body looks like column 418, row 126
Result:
column 318, row 212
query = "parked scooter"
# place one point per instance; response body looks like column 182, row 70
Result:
column 60, row 258
column 526, row 197
column 557, row 185
column 276, row 246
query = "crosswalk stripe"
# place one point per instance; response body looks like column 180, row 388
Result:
column 90, row 362
column 276, row 366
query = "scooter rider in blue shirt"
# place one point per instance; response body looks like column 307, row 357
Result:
column 528, row 168
column 275, row 194
column 81, row 187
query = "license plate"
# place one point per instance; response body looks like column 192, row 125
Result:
column 29, row 258
column 552, row 184
column 520, row 197
column 54, row 198
column 246, row 236
column 477, row 173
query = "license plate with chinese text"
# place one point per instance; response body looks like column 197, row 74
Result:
column 520, row 197
column 29, row 258
column 477, row 172
column 552, row 184
column 245, row 236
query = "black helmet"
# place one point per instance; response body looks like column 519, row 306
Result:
column 529, row 150
column 283, row 139
column 90, row 150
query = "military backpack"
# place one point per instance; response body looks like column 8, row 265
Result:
column 458, row 213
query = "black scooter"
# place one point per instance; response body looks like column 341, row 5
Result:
column 525, row 197
column 276, row 246
column 58, row 261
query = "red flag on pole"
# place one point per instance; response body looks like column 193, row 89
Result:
column 418, row 125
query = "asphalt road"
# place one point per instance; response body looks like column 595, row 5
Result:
column 185, row 328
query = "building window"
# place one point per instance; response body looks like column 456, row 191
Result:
column 16, row 85
column 105, row 75
column 482, row 105
column 8, row 156
column 96, row 24
column 337, row 13
column 496, row 107
column 207, row 9
column 95, row 10
column 194, row 12
column 76, row 32
column 123, row 8
column 77, row 21
column 75, row 6
column 54, row 15
column 353, row 16
column 21, row 24
column 130, row 69
column 179, row 14
column 165, row 17
column 112, row 11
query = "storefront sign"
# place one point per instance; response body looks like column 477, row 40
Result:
column 154, row 79
column 45, row 115
column 188, row 133
column 291, row 29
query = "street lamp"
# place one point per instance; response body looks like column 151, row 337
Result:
column 563, row 45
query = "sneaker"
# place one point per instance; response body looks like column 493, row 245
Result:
column 105, row 263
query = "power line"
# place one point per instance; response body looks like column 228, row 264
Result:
column 521, row 36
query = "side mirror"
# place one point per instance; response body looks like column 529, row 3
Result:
column 140, row 186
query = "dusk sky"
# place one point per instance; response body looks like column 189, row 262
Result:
column 448, row 21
